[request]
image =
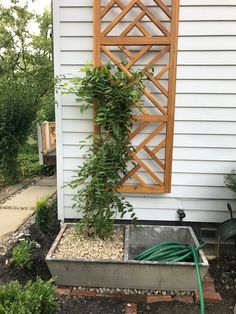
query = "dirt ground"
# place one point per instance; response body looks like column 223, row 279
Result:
column 90, row 306
column 223, row 271
column 181, row 308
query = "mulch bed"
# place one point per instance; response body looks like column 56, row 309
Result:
column 69, row 305
column 39, row 268
column 223, row 271
column 182, row 308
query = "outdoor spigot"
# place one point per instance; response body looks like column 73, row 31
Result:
column 182, row 215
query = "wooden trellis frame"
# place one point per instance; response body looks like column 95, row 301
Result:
column 163, row 120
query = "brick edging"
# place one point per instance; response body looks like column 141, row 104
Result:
column 133, row 299
column 131, row 308
column 210, row 295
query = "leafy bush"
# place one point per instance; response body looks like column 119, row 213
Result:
column 47, row 109
column 114, row 95
column 26, row 84
column 22, row 254
column 35, row 298
column 18, row 107
column 28, row 165
column 43, row 217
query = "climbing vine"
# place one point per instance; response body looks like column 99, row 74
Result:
column 114, row 94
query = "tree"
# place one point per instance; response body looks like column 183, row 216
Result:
column 26, row 80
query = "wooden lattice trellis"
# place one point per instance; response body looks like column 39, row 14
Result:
column 145, row 33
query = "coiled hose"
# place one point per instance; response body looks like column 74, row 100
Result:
column 175, row 252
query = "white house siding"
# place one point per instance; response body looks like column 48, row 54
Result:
column 205, row 119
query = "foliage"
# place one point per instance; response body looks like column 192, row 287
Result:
column 24, row 53
column 22, row 254
column 14, row 35
column 26, row 80
column 28, row 165
column 35, row 298
column 230, row 181
column 114, row 95
column 47, row 110
column 18, row 107
column 43, row 218
column 42, row 46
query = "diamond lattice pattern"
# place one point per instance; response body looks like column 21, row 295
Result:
column 143, row 34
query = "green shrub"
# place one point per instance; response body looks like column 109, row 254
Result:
column 11, row 297
column 18, row 107
column 43, row 217
column 26, row 79
column 35, row 298
column 22, row 254
column 29, row 167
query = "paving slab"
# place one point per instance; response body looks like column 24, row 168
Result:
column 47, row 181
column 29, row 197
column 12, row 219
column 9, row 190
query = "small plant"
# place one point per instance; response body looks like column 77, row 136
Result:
column 35, row 298
column 43, row 215
column 114, row 95
column 28, row 165
column 22, row 254
column 230, row 181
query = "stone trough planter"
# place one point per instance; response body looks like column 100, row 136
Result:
column 128, row 273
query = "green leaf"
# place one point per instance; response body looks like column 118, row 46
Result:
column 115, row 95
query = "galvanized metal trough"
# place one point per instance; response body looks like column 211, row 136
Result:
column 129, row 273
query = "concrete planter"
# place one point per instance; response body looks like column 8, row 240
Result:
column 130, row 273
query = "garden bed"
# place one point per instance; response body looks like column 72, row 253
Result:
column 89, row 263
column 222, row 270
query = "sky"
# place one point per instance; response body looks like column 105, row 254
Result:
column 37, row 6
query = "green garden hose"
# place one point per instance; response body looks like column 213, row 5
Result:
column 199, row 279
column 175, row 252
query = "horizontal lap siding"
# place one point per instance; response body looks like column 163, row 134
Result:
column 205, row 126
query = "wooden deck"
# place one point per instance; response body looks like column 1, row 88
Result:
column 47, row 143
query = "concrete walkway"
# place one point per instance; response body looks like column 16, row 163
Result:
column 16, row 210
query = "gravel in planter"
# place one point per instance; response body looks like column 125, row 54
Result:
column 73, row 246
